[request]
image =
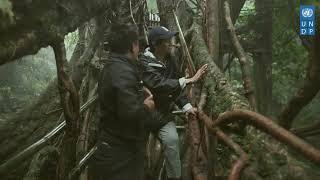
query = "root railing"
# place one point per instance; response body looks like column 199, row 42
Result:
column 9, row 165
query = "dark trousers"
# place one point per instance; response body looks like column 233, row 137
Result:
column 114, row 162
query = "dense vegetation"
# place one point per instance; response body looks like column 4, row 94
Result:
column 277, row 60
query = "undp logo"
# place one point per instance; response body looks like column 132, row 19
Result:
column 307, row 20
column 307, row 12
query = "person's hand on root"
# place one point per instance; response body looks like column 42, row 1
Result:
column 198, row 75
column 192, row 111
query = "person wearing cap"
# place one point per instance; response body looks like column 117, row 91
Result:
column 160, row 73
column 126, row 109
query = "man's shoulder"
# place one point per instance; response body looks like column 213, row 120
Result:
column 116, row 64
column 143, row 58
column 150, row 62
column 119, row 72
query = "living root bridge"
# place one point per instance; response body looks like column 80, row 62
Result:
column 267, row 125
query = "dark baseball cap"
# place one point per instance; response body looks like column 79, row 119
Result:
column 158, row 33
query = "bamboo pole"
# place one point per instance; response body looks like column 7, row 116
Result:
column 81, row 163
column 9, row 165
column 191, row 66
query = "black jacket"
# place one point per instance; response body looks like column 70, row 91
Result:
column 163, row 81
column 124, row 118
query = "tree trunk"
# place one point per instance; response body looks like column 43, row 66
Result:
column 263, row 56
column 69, row 100
column 212, row 37
column 212, row 28
column 264, row 151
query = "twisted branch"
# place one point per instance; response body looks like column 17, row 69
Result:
column 267, row 125
column 241, row 162
column 245, row 69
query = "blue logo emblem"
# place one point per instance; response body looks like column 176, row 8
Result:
column 307, row 20
column 307, row 12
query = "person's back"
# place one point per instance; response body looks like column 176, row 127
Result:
column 120, row 121
column 125, row 111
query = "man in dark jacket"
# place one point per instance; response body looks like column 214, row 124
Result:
column 125, row 112
column 161, row 75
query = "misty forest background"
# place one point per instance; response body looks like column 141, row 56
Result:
column 277, row 76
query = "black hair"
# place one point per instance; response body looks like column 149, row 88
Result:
column 121, row 37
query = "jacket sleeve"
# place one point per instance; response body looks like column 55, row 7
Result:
column 182, row 101
column 153, row 79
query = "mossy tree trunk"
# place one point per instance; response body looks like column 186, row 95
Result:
column 268, row 159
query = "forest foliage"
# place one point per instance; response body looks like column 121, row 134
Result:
column 24, row 80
